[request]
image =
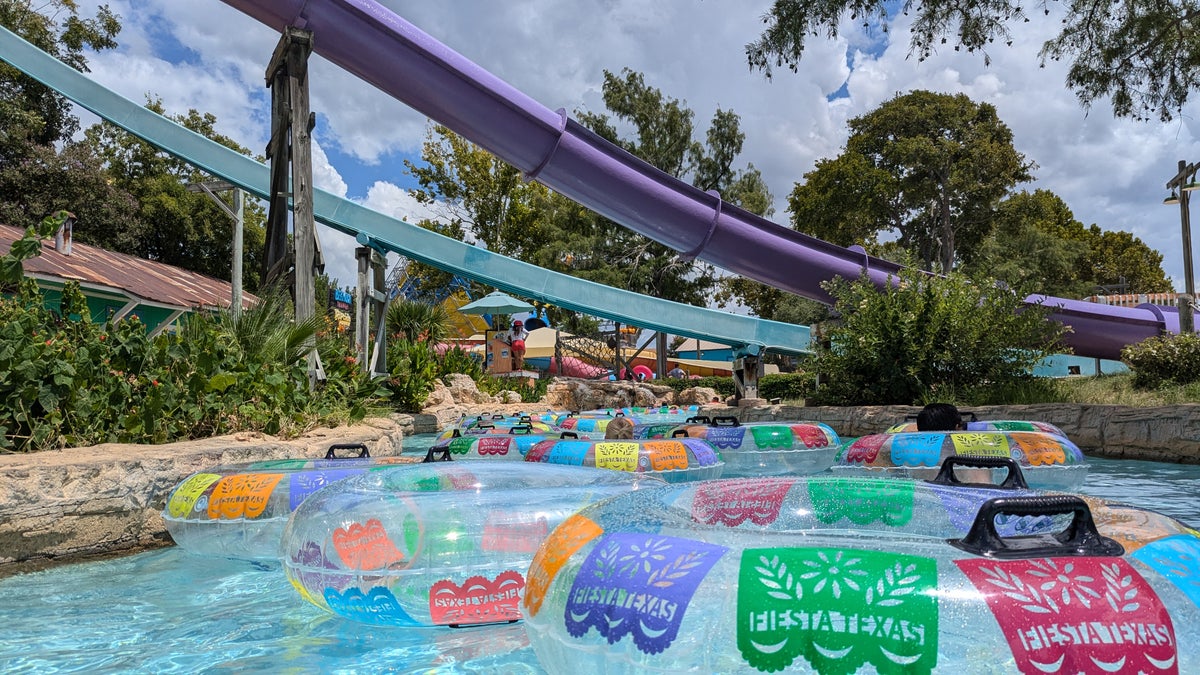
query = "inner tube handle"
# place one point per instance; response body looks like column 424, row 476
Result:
column 362, row 451
column 1079, row 539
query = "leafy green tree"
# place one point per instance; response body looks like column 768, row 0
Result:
column 1037, row 247
column 71, row 179
column 928, row 337
column 172, row 225
column 31, row 114
column 1141, row 54
column 930, row 166
column 1114, row 257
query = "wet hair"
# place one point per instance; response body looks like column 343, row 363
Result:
column 939, row 417
column 619, row 427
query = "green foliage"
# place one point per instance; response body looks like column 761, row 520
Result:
column 29, row 245
column 1164, row 360
column 68, row 382
column 787, row 386
column 529, row 393
column 928, row 337
column 455, row 360
column 929, row 166
column 171, row 224
column 1141, row 54
column 31, row 114
column 412, row 374
column 417, row 321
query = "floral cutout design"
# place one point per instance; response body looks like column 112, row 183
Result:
column 725, row 438
column 733, row 501
column 772, row 436
column 1076, row 615
column 837, row 609
column 243, row 495
column 375, row 606
column 638, row 584
column 917, row 449
column 478, row 600
column 863, row 501
column 865, row 450
column 304, row 483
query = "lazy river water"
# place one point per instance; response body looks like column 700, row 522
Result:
column 169, row 612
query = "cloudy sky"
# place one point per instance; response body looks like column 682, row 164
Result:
column 202, row 54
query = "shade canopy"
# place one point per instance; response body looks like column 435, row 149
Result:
column 496, row 303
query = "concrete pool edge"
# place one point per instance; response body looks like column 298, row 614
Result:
column 79, row 503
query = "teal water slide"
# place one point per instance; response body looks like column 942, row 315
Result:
column 747, row 335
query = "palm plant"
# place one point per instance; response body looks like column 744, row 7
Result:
column 417, row 321
column 267, row 332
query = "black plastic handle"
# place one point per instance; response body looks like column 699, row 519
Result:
column 699, row 419
column 725, row 421
column 525, row 419
column 497, row 416
column 1078, row 539
column 568, row 434
column 1015, row 480
column 680, row 433
column 437, row 454
column 521, row 429
column 620, row 413
column 485, row 425
column 362, row 451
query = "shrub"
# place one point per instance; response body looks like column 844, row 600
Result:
column 455, row 360
column 928, row 337
column 1165, row 359
column 529, row 393
column 69, row 382
column 413, row 371
column 786, row 386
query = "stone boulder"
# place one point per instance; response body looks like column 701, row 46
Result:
column 696, row 396
column 465, row 392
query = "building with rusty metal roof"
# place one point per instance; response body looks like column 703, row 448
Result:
column 118, row 285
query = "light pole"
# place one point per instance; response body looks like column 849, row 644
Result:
column 1181, row 189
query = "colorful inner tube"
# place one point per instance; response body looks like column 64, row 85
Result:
column 766, row 448
column 992, row 425
column 1049, row 461
column 240, row 511
column 438, row 544
column 480, row 425
column 843, row 575
column 673, row 460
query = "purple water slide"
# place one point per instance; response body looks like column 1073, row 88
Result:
column 373, row 43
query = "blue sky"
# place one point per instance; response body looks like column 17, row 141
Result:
column 202, row 54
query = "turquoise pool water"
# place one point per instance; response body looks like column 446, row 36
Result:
column 169, row 612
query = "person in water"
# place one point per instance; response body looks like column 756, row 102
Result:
column 619, row 427
column 939, row 417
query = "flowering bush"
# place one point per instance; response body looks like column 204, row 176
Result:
column 1164, row 359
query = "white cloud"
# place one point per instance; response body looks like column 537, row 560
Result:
column 1110, row 172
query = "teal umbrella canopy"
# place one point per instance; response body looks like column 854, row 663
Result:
column 496, row 303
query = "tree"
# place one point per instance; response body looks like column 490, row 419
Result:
column 172, row 225
column 930, row 166
column 1141, row 54
column 32, row 114
column 664, row 136
column 1120, row 257
column 929, row 337
column 1037, row 247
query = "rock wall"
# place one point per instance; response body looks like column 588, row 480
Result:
column 84, row 501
